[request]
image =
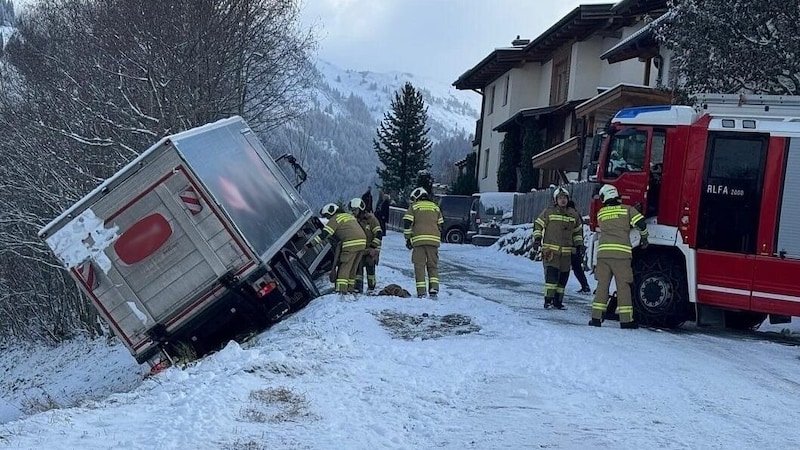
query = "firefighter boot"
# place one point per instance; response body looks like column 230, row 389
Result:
column 359, row 286
column 632, row 325
column 596, row 322
column 548, row 302
column 558, row 302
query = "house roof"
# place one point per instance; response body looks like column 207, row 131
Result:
column 629, row 7
column 500, row 61
column 535, row 113
column 622, row 95
column 579, row 24
column 641, row 43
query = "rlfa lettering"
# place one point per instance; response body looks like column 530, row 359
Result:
column 720, row 189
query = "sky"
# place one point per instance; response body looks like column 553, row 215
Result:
column 482, row 367
column 440, row 39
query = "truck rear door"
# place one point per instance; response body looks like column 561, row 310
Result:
column 172, row 249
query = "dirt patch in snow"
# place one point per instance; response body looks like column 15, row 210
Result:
column 425, row 326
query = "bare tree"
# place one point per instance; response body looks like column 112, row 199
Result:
column 88, row 84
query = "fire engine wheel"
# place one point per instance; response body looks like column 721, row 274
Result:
column 304, row 278
column 660, row 293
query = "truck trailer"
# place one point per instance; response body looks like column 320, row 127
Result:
column 198, row 240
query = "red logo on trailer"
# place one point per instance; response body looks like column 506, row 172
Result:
column 191, row 200
column 142, row 239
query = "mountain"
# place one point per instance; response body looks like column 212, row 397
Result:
column 334, row 140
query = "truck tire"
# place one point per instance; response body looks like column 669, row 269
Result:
column 454, row 236
column 660, row 292
column 304, row 280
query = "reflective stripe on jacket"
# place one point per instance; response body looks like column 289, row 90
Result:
column 372, row 228
column 347, row 229
column 615, row 222
column 561, row 229
column 422, row 223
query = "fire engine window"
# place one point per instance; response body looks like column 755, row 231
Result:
column 626, row 152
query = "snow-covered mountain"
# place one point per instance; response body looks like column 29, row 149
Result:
column 5, row 34
column 335, row 139
column 450, row 111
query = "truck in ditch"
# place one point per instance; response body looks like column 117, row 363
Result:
column 198, row 240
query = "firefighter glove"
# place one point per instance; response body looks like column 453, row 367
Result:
column 373, row 253
column 408, row 244
column 643, row 243
column 537, row 244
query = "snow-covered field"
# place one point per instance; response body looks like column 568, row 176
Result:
column 482, row 367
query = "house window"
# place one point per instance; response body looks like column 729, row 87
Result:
column 486, row 163
column 505, row 92
column 491, row 99
column 559, row 84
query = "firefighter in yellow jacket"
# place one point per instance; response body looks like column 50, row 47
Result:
column 372, row 228
column 558, row 231
column 422, row 230
column 345, row 227
column 614, row 254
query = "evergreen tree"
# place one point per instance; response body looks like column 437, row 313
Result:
column 467, row 181
column 402, row 144
column 532, row 144
column 509, row 162
column 725, row 46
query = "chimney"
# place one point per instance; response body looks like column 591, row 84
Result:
column 520, row 42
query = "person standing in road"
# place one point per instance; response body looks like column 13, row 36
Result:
column 370, row 259
column 614, row 254
column 382, row 212
column 367, row 198
column 346, row 228
column 558, row 231
column 577, row 257
column 422, row 230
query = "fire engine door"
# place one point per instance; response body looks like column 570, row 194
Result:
column 730, row 208
column 625, row 164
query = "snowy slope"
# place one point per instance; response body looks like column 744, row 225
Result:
column 5, row 33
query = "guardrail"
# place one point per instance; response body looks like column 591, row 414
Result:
column 395, row 222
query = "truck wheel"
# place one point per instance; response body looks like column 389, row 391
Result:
column 744, row 320
column 454, row 236
column 304, row 279
column 659, row 290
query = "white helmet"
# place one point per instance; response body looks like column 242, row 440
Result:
column 560, row 191
column 329, row 209
column 608, row 192
column 417, row 193
column 357, row 203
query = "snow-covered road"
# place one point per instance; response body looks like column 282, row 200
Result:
column 458, row 372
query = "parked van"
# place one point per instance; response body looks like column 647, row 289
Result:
column 490, row 208
column 456, row 212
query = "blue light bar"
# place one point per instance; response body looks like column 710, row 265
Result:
column 629, row 113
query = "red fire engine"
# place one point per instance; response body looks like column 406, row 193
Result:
column 719, row 184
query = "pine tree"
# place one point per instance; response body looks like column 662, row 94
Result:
column 467, row 181
column 725, row 46
column 402, row 144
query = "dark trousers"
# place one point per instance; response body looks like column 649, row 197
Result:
column 577, row 269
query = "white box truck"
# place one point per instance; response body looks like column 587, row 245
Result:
column 198, row 240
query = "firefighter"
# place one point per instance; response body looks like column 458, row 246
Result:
column 346, row 228
column 558, row 231
column 614, row 254
column 577, row 258
column 422, row 229
column 372, row 228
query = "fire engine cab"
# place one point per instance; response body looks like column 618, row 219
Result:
column 719, row 184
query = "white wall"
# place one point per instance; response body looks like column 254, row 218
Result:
column 523, row 92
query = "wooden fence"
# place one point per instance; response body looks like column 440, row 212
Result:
column 528, row 206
